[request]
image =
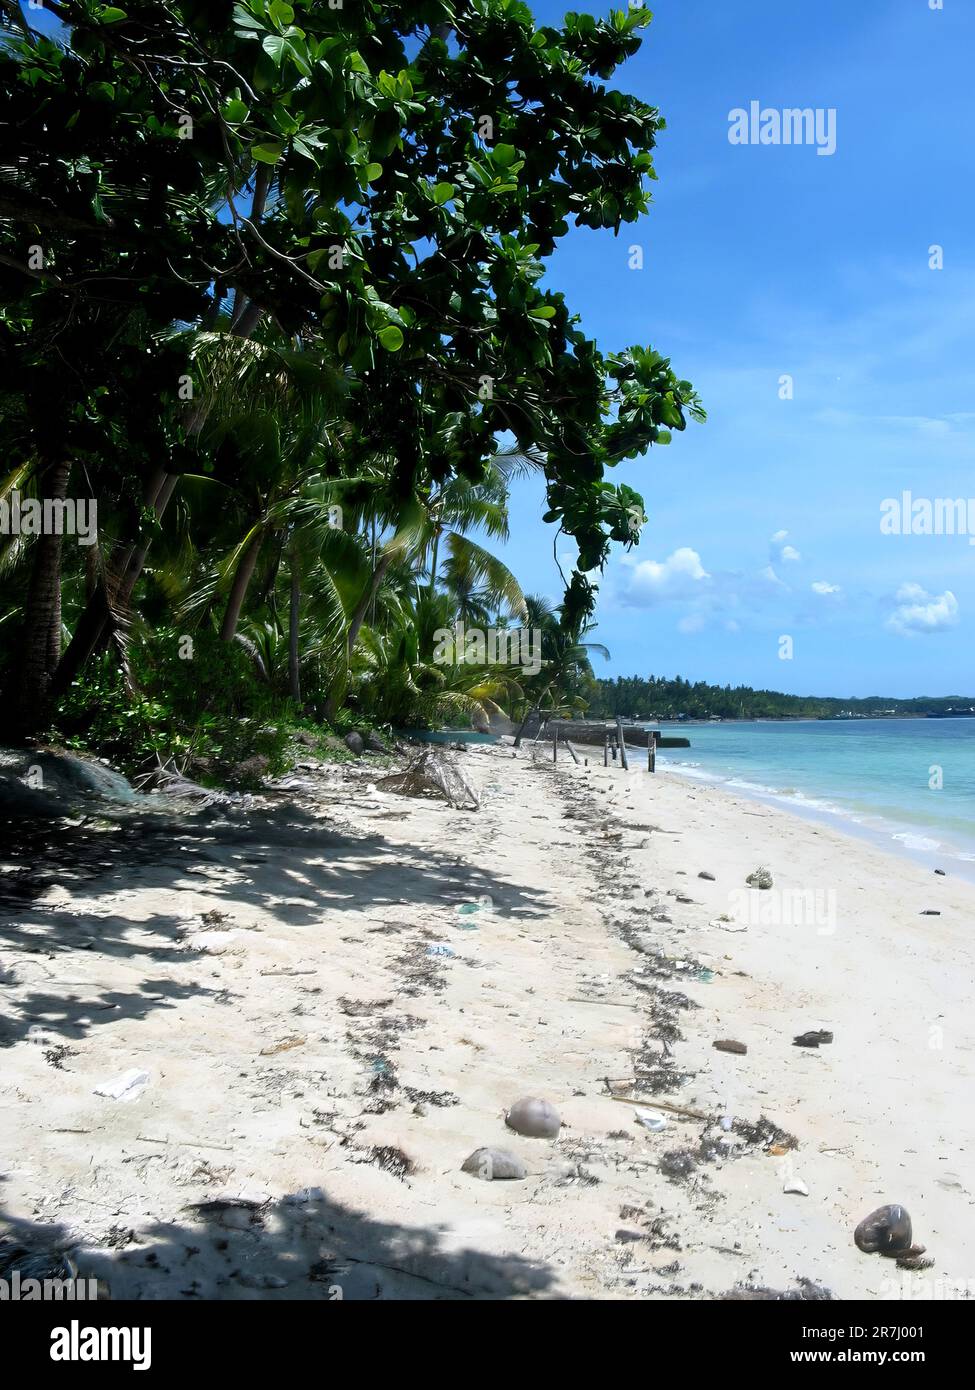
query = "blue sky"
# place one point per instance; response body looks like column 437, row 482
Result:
column 766, row 260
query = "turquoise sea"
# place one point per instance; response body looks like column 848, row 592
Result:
column 875, row 777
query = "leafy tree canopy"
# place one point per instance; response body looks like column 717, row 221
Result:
column 383, row 180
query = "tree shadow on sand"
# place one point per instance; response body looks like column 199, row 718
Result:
column 283, row 861
column 305, row 1247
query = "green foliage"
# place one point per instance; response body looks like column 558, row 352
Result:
column 294, row 257
column 656, row 697
column 207, row 714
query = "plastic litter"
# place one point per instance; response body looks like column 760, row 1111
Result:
column 128, row 1086
column 652, row 1120
column 797, row 1186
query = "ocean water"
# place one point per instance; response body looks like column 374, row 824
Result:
column 876, row 777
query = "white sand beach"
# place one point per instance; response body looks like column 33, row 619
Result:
column 328, row 1035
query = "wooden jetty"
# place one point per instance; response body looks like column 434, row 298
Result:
column 594, row 733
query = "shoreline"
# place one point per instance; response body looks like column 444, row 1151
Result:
column 361, row 984
column 889, row 836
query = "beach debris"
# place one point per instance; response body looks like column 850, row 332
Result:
column 807, row 1292
column 765, row 1134
column 683, row 1110
column 813, row 1038
column 795, row 1185
column 930, row 912
column 537, row 1119
column 234, row 1213
column 678, row 1164
column 214, row 943
column 285, row 1045
column 441, row 1098
column 704, row 874
column 729, row 1045
column 760, row 878
column 491, row 1164
column 354, row 743
column 887, row 1231
column 441, row 949
column 433, row 773
column 726, row 923
column 128, row 1086
column 625, row 1237
column 303, row 1195
column 941, row 872
column 389, row 1158
column 652, row 1120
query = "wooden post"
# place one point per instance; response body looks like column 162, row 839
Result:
column 555, row 746
column 606, row 750
column 619, row 732
column 652, row 753
column 575, row 758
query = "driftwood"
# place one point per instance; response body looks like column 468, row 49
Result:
column 433, row 773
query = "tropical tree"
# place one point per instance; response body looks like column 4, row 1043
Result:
column 374, row 187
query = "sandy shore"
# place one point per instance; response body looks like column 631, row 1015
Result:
column 328, row 1035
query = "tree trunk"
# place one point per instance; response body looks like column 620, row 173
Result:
column 42, row 612
column 362, row 607
column 294, row 616
column 91, row 627
column 358, row 618
column 433, row 562
column 238, row 590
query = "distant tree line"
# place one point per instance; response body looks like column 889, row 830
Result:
column 656, row 697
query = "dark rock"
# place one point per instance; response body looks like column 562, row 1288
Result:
column 375, row 745
column 355, row 743
column 704, row 874
column 729, row 1045
column 812, row 1039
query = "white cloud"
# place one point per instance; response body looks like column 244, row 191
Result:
column 918, row 611
column 779, row 551
column 820, row 586
column 679, row 576
column 768, row 573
